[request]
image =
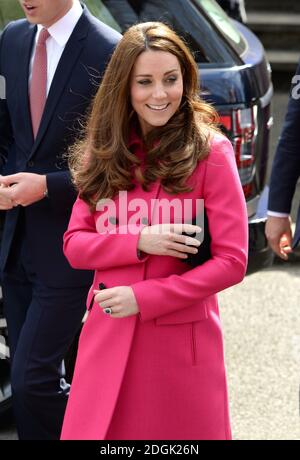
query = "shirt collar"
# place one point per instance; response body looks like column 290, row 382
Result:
column 135, row 140
column 61, row 30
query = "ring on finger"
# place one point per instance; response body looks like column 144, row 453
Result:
column 108, row 310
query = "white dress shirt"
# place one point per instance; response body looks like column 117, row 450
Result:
column 60, row 33
column 277, row 214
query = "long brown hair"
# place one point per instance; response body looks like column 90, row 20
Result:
column 101, row 164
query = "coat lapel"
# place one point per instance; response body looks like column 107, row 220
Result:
column 24, row 76
column 64, row 69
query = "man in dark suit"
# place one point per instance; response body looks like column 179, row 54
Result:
column 284, row 176
column 52, row 63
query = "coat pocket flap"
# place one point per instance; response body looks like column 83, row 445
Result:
column 186, row 315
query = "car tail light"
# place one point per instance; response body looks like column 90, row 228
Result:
column 241, row 124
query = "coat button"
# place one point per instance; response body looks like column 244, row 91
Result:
column 113, row 220
column 30, row 163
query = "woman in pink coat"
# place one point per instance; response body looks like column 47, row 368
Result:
column 150, row 362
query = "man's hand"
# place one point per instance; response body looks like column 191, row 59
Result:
column 279, row 234
column 5, row 202
column 120, row 299
column 21, row 189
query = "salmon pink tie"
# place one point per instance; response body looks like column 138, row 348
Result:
column 38, row 86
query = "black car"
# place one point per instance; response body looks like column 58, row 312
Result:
column 235, row 78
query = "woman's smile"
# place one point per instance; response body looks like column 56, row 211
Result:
column 158, row 108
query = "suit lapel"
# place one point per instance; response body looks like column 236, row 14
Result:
column 24, row 76
column 64, row 69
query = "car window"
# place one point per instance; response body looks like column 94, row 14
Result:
column 183, row 16
column 129, row 12
column 122, row 12
column 98, row 9
column 223, row 23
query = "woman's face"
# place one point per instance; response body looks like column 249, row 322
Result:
column 156, row 88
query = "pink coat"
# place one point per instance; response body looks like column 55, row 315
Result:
column 159, row 374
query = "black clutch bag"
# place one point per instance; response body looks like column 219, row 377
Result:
column 204, row 252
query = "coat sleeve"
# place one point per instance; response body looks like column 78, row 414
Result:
column 87, row 249
column 227, row 216
column 286, row 166
column 61, row 192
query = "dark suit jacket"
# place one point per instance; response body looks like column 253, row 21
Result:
column 75, row 82
column 286, row 166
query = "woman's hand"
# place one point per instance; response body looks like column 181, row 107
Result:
column 120, row 299
column 167, row 240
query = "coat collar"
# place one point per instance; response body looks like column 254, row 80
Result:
column 134, row 139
